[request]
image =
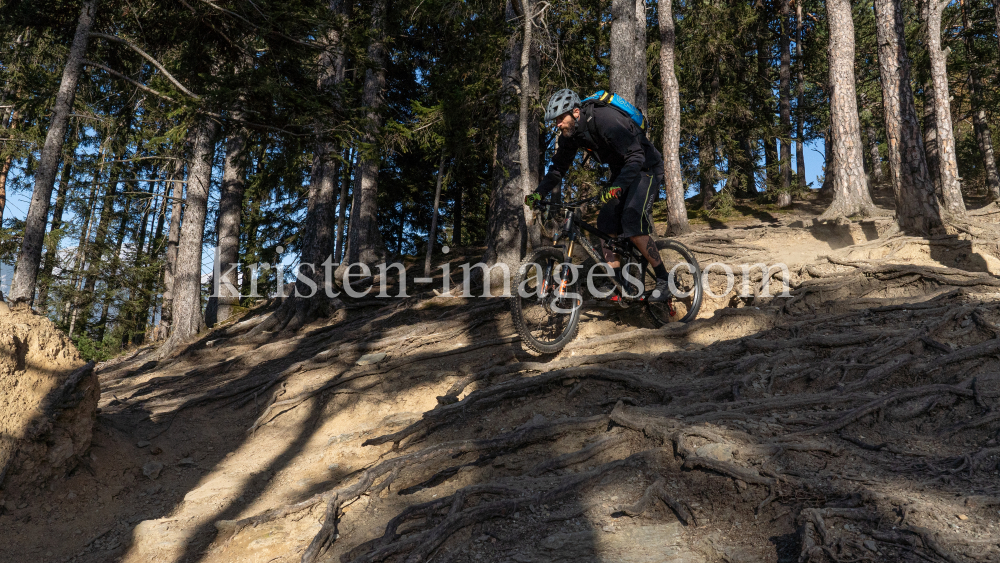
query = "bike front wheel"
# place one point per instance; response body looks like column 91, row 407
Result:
column 546, row 310
column 685, row 287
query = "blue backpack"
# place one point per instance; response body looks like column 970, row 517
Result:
column 619, row 103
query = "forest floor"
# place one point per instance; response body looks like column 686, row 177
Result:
column 854, row 420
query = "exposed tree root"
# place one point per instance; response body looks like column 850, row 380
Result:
column 776, row 416
column 658, row 491
column 419, row 545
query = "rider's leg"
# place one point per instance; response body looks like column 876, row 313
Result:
column 609, row 222
column 647, row 247
column 637, row 221
column 610, row 257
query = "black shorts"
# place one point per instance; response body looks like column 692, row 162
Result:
column 632, row 214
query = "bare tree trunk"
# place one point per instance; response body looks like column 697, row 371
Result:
column 981, row 127
column 456, row 215
column 111, row 287
column 432, row 234
column 318, row 240
column 878, row 175
column 7, row 162
column 763, row 64
column 917, row 209
column 677, row 220
column 49, row 261
column 4, row 170
column 26, row 272
column 222, row 301
column 827, row 186
column 170, row 258
column 80, row 256
column 931, row 146
column 785, row 104
column 365, row 244
column 627, row 75
column 187, row 314
column 850, row 184
column 506, row 230
column 706, row 166
column 749, row 166
column 527, row 123
column 800, row 158
column 342, row 204
column 951, row 190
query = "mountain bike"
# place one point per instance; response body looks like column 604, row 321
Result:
column 554, row 284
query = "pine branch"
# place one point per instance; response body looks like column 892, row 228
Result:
column 135, row 83
column 151, row 60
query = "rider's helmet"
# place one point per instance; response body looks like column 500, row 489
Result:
column 562, row 101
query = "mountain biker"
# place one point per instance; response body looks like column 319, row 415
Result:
column 613, row 138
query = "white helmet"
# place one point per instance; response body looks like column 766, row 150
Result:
column 561, row 102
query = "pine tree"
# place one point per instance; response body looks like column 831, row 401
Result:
column 917, row 209
column 850, row 184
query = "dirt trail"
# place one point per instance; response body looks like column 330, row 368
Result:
column 855, row 419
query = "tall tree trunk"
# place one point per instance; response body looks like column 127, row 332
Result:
column 170, row 256
column 187, row 318
column 432, row 234
column 342, row 203
column 221, row 303
column 827, row 186
column 80, row 256
column 749, row 165
column 951, row 190
column 527, row 122
column 153, row 281
column 785, row 104
column 931, row 146
column 877, row 175
column 456, row 215
column 319, row 238
column 98, row 250
column 706, row 168
column 800, row 158
column 111, row 276
column 30, row 255
column 506, row 235
column 996, row 11
column 627, row 74
column 981, row 127
column 917, row 209
column 850, row 184
column 763, row 64
column 365, row 244
column 49, row 261
column 6, row 123
column 677, row 220
column 4, row 170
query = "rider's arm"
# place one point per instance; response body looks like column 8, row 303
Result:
column 561, row 161
column 627, row 140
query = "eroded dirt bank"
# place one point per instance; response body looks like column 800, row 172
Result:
column 853, row 420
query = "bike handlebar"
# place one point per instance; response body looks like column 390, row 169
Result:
column 570, row 204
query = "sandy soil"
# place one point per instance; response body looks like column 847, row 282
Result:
column 853, row 420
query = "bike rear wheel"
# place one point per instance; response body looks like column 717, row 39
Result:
column 546, row 312
column 686, row 289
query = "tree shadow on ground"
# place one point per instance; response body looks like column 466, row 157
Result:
column 751, row 377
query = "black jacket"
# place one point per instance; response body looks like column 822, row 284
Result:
column 612, row 138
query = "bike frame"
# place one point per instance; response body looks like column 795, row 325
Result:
column 571, row 229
